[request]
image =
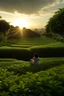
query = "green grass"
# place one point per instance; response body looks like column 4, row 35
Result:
column 34, row 42
column 29, row 42
column 55, row 44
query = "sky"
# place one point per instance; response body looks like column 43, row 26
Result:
column 32, row 13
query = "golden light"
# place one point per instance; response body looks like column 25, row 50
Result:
column 21, row 23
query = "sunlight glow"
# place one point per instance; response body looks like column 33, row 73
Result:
column 21, row 23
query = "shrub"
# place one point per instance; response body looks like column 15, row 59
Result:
column 26, row 54
column 43, row 83
column 18, row 53
column 48, row 51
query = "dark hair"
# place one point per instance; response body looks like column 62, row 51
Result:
column 36, row 55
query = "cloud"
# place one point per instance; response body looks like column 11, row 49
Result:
column 53, row 8
column 25, row 6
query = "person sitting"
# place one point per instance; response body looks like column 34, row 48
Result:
column 35, row 59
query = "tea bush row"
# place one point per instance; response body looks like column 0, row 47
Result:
column 27, row 53
column 22, row 67
column 43, row 83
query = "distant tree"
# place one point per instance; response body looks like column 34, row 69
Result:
column 14, row 33
column 17, row 33
column 56, row 23
column 29, row 33
column 4, row 27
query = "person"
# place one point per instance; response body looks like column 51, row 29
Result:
column 35, row 59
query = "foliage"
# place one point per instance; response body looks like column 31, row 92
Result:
column 14, row 33
column 28, row 42
column 4, row 27
column 20, row 67
column 50, row 50
column 24, row 49
column 56, row 23
column 58, row 37
column 29, row 33
column 17, row 33
column 43, row 83
column 20, row 78
column 18, row 53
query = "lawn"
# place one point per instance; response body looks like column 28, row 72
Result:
column 28, row 42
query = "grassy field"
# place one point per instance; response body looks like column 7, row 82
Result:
column 19, row 78
column 28, row 42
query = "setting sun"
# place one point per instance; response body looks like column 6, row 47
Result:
column 21, row 23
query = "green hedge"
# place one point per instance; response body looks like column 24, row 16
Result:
column 18, row 53
column 26, row 54
column 48, row 51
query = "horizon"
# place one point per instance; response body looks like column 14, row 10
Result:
column 25, row 13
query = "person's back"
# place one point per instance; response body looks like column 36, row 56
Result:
column 35, row 59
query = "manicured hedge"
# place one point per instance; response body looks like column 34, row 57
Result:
column 48, row 51
column 18, row 53
column 26, row 54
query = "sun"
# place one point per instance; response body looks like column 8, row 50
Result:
column 21, row 23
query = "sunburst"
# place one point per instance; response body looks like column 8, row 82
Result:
column 21, row 23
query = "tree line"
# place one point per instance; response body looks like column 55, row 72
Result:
column 8, row 31
column 55, row 24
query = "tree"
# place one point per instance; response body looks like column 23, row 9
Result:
column 17, row 33
column 14, row 33
column 29, row 33
column 56, row 23
column 4, row 27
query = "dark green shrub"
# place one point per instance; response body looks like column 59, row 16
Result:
column 18, row 53
column 48, row 51
column 44, row 83
column 26, row 54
